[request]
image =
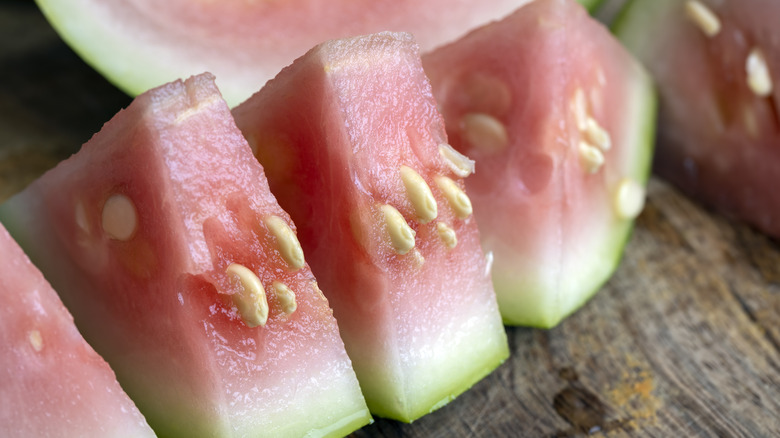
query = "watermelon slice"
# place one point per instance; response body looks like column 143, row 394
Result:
column 355, row 150
column 559, row 119
column 53, row 382
column 185, row 274
column 140, row 44
column 717, row 65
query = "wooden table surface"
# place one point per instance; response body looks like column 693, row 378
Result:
column 683, row 341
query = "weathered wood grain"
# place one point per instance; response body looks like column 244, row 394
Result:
column 683, row 341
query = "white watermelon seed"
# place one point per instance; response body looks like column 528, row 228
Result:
column 250, row 298
column 488, row 263
column 591, row 157
column 286, row 241
column 401, row 234
column 456, row 197
column 418, row 258
column 703, row 17
column 119, row 217
column 285, row 296
column 447, row 235
column 580, row 107
column 81, row 216
column 419, row 195
column 629, row 199
column 458, row 163
column 596, row 135
column 758, row 77
column 484, row 132
column 36, row 340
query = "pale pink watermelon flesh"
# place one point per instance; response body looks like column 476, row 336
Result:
column 153, row 295
column 333, row 130
column 141, row 44
column 53, row 382
column 718, row 135
column 550, row 210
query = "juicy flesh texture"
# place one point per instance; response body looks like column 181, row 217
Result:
column 53, row 382
column 142, row 43
column 718, row 139
column 158, row 305
column 546, row 214
column 420, row 327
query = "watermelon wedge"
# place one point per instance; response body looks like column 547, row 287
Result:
column 52, row 383
column 717, row 66
column 355, row 150
column 139, row 44
column 185, row 274
column 559, row 119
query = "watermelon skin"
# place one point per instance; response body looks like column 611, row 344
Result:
column 717, row 139
column 141, row 44
column 158, row 305
column 420, row 327
column 52, row 383
column 550, row 223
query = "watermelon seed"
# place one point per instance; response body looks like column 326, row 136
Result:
column 457, row 198
column 35, row 340
column 703, row 17
column 597, row 135
column 286, row 241
column 458, row 163
column 630, row 199
column 285, row 296
column 758, row 77
column 250, row 298
column 488, row 263
column 81, row 216
column 119, row 218
column 401, row 235
column 447, row 235
column 419, row 195
column 484, row 132
column 419, row 260
column 580, row 107
column 591, row 157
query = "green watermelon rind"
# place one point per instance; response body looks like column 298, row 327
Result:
column 539, row 311
column 630, row 25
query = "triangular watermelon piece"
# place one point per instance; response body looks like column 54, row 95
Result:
column 52, row 383
column 178, row 264
column 355, row 150
column 559, row 119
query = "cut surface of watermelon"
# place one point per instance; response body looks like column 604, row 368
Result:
column 52, row 383
column 140, row 44
column 558, row 118
column 717, row 66
column 178, row 264
column 355, row 150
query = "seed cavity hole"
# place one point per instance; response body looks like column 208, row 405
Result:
column 119, row 217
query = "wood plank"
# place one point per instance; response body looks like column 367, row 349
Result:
column 683, row 341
